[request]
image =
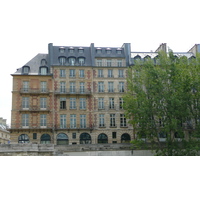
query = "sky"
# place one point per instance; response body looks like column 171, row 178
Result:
column 28, row 26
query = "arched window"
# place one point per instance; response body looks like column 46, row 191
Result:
column 125, row 138
column 45, row 139
column 43, row 70
column 43, row 62
column 23, row 138
column 62, row 139
column 85, row 138
column 72, row 60
column 156, row 60
column 136, row 58
column 25, row 69
column 62, row 60
column 147, row 57
column 102, row 138
column 81, row 60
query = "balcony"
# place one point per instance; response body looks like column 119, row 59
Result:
column 28, row 126
column 34, row 91
column 72, row 91
column 107, row 108
column 35, row 109
column 74, row 127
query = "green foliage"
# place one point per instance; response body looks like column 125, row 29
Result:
column 165, row 98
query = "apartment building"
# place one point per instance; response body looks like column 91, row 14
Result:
column 4, row 133
column 72, row 95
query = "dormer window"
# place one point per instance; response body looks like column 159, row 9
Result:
column 43, row 70
column 80, row 50
column 108, row 51
column 62, row 60
column 72, row 61
column 81, row 61
column 119, row 51
column 71, row 50
column 25, row 70
column 99, row 50
column 43, row 62
column 62, row 50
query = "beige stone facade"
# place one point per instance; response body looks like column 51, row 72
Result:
column 4, row 133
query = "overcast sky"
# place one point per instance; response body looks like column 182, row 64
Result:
column 27, row 26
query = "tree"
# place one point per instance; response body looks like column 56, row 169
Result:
column 163, row 104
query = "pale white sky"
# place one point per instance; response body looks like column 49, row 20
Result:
column 27, row 26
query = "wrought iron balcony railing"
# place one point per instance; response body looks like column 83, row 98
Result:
column 34, row 90
column 34, row 109
column 73, row 91
column 31, row 126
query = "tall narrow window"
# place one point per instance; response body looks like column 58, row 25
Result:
column 101, row 103
column 99, row 62
column 81, row 61
column 62, row 87
column 110, row 73
column 100, row 72
column 122, row 120
column 82, row 121
column 101, row 120
column 62, row 73
column 121, row 103
column 63, row 121
column 112, row 120
column 110, row 86
column 82, row 87
column 119, row 63
column 81, row 73
column 25, row 120
column 62, row 103
column 43, row 120
column 25, row 102
column 109, row 63
column 25, row 86
column 72, row 87
column 72, row 121
column 72, row 73
column 82, row 103
column 101, row 86
column 72, row 61
column 121, row 86
column 62, row 60
column 120, row 73
column 72, row 103
column 43, row 102
column 43, row 86
column 43, row 70
column 111, row 103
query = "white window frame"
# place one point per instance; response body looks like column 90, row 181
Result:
column 72, row 121
column 43, row 120
column 25, row 102
column 100, row 103
column 82, row 121
column 100, row 86
column 72, row 103
column 63, row 121
column 82, row 103
column 101, row 120
column 112, row 120
column 110, row 86
column 25, row 120
column 43, row 103
column 81, row 73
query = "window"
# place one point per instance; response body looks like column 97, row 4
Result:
column 101, row 103
column 62, row 50
column 72, row 121
column 101, row 120
column 62, row 60
column 110, row 73
column 108, row 51
column 112, row 120
column 121, row 103
column 82, row 103
column 100, row 86
column 43, row 71
column 74, row 135
column 34, row 136
column 110, row 86
column 81, row 73
column 71, row 61
column 62, row 73
column 111, row 103
column 72, row 103
column 82, row 121
column 25, row 86
column 81, row 61
column 43, row 62
column 100, row 72
column 121, row 86
column 72, row 73
column 23, row 138
column 72, row 87
column 119, row 51
column 80, row 50
column 62, row 103
column 43, row 86
column 26, row 70
column 82, row 87
column 119, row 63
column 25, row 102
column 45, row 139
column 43, row 120
column 102, row 138
column 43, row 102
column 25, row 120
column 122, row 120
column 109, row 63
column 63, row 121
column 99, row 50
column 120, row 73
column 62, row 87
column 71, row 50
column 99, row 63
column 114, row 135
